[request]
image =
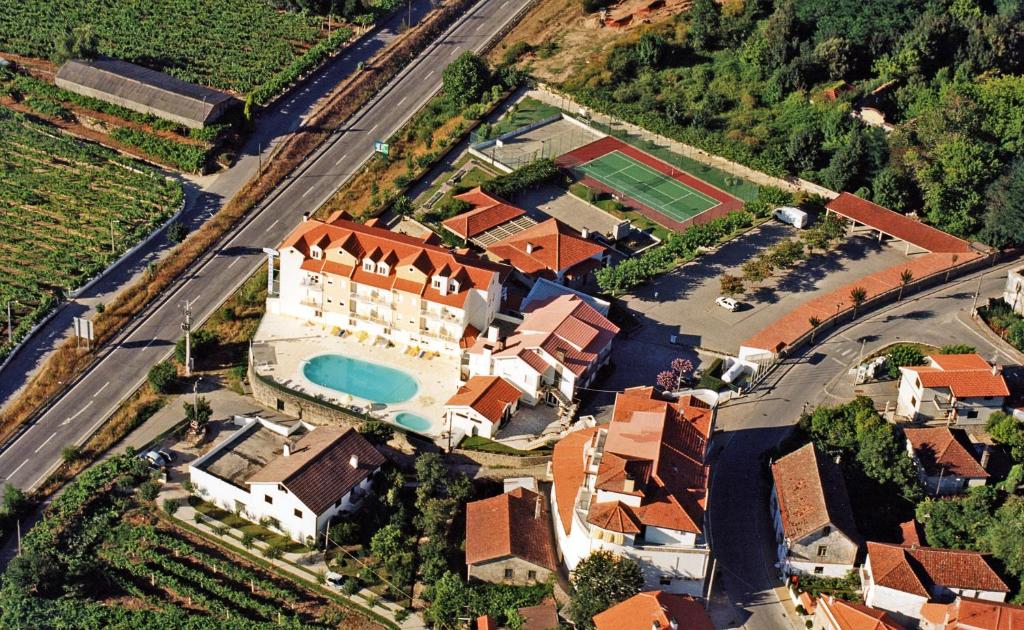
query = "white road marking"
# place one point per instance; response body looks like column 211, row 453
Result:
column 845, row 352
column 100, row 390
column 232, row 263
column 15, row 471
column 403, row 100
column 271, row 226
column 341, row 159
column 52, row 435
column 308, row 190
column 80, row 412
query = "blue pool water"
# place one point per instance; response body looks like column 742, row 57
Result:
column 362, row 379
column 413, row 421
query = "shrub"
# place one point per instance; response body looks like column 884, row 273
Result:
column 202, row 340
column 176, row 231
column 149, row 490
column 377, row 431
column 171, row 506
column 71, row 453
column 163, row 376
column 901, row 355
column 248, row 540
column 525, row 177
column 350, row 586
column 957, row 348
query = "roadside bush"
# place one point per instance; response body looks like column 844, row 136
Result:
column 525, row 177
column 176, row 232
column 902, row 355
column 957, row 348
column 202, row 340
column 149, row 491
column 171, row 506
column 163, row 376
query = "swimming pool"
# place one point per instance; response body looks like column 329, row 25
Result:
column 413, row 421
column 362, row 379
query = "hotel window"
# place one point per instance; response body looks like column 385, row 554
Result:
column 508, row 574
column 436, row 283
column 368, row 265
column 268, row 498
column 822, row 551
column 298, row 513
column 382, row 269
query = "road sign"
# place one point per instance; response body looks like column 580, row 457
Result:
column 381, row 147
column 83, row 328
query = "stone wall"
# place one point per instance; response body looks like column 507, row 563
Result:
column 498, row 460
column 279, row 398
column 494, row 572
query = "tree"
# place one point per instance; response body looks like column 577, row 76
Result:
column 77, row 43
column 757, row 269
column 957, row 348
column 1003, row 221
column 667, row 380
column 176, row 231
column 703, row 19
column 162, row 376
column 465, row 79
column 377, row 431
column 906, row 276
column 858, row 295
column 601, row 580
column 1005, row 537
column 814, row 323
column 893, row 189
column 15, row 501
column 958, row 522
column 71, row 453
column 730, row 285
column 1007, row 431
column 386, row 543
column 197, row 413
column 835, row 55
column 901, row 355
column 682, row 368
column 202, row 340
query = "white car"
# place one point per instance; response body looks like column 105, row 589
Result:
column 727, row 303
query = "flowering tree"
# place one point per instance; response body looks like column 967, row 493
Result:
column 682, row 367
column 667, row 380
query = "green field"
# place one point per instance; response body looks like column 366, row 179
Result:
column 67, row 209
column 650, row 187
column 228, row 44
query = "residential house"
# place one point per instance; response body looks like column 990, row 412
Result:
column 972, row 614
column 560, row 346
column 295, row 478
column 552, row 250
column 811, row 514
column 945, row 459
column 638, row 487
column 481, row 406
column 652, row 610
column 508, row 539
column 832, row 613
column 543, row 616
column 490, row 220
column 958, row 387
column 1013, row 294
column 369, row 280
column 902, row 580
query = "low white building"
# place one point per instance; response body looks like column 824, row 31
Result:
column 832, row 613
column 481, row 406
column 638, row 487
column 1013, row 294
column 946, row 460
column 811, row 515
column 972, row 614
column 902, row 580
column 560, row 345
column 962, row 388
column 293, row 478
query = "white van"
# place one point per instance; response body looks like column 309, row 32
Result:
column 793, row 216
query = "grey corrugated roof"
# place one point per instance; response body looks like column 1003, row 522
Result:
column 153, row 89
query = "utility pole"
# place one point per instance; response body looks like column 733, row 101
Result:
column 112, row 222
column 10, row 324
column 186, row 326
column 974, row 306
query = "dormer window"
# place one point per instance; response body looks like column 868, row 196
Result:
column 453, row 286
column 315, row 252
column 382, row 269
column 436, row 283
column 368, row 265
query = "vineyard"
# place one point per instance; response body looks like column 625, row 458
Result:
column 100, row 558
column 235, row 45
column 67, row 210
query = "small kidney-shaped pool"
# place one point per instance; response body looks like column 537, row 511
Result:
column 362, row 379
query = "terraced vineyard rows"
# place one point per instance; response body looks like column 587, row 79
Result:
column 228, row 44
column 67, row 209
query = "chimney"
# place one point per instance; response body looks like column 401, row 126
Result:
column 985, row 453
column 585, row 233
column 305, row 217
column 672, row 623
column 560, row 355
column 353, row 461
column 536, row 508
column 629, row 485
column 529, row 247
column 996, row 369
column 286, row 450
column 655, row 625
column 492, row 334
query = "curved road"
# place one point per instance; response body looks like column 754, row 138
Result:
column 27, row 460
column 741, row 532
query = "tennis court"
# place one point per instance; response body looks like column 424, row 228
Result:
column 655, row 189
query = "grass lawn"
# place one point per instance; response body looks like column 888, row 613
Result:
column 479, row 443
column 526, row 112
column 231, row 519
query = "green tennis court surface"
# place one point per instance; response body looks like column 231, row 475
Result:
column 650, row 187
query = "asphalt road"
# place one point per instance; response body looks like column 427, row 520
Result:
column 27, row 460
column 741, row 533
column 205, row 195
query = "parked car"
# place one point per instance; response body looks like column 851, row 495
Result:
column 168, row 455
column 727, row 303
column 334, row 580
column 155, row 459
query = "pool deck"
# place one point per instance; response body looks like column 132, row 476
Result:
column 295, row 341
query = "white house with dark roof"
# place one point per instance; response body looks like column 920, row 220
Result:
column 294, row 477
column 962, row 388
column 811, row 514
column 946, row 460
column 560, row 345
column 638, row 487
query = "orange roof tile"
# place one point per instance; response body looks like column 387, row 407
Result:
column 487, row 395
column 641, row 611
column 543, row 616
column 944, row 450
column 510, row 524
column 852, row 616
column 966, row 375
column 489, row 212
column 915, row 569
column 567, row 469
column 554, row 248
column 811, row 494
column 484, row 622
column 896, row 225
column 975, row 614
column 613, row 516
column 910, row 533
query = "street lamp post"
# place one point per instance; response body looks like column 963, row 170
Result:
column 10, row 323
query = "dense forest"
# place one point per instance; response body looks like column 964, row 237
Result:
column 774, row 84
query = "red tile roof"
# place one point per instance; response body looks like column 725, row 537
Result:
column 486, row 395
column 851, row 616
column 966, row 375
column 318, row 470
column 554, row 248
column 642, row 610
column 910, row 533
column 896, row 225
column 915, row 569
column 976, row 614
column 568, row 462
column 399, row 250
column 510, row 524
column 543, row 616
column 484, row 622
column 812, row 494
column 942, row 450
column 489, row 212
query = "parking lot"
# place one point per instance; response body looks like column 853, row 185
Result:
column 682, row 302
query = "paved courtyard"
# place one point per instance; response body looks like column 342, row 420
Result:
column 295, row 341
column 553, row 201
